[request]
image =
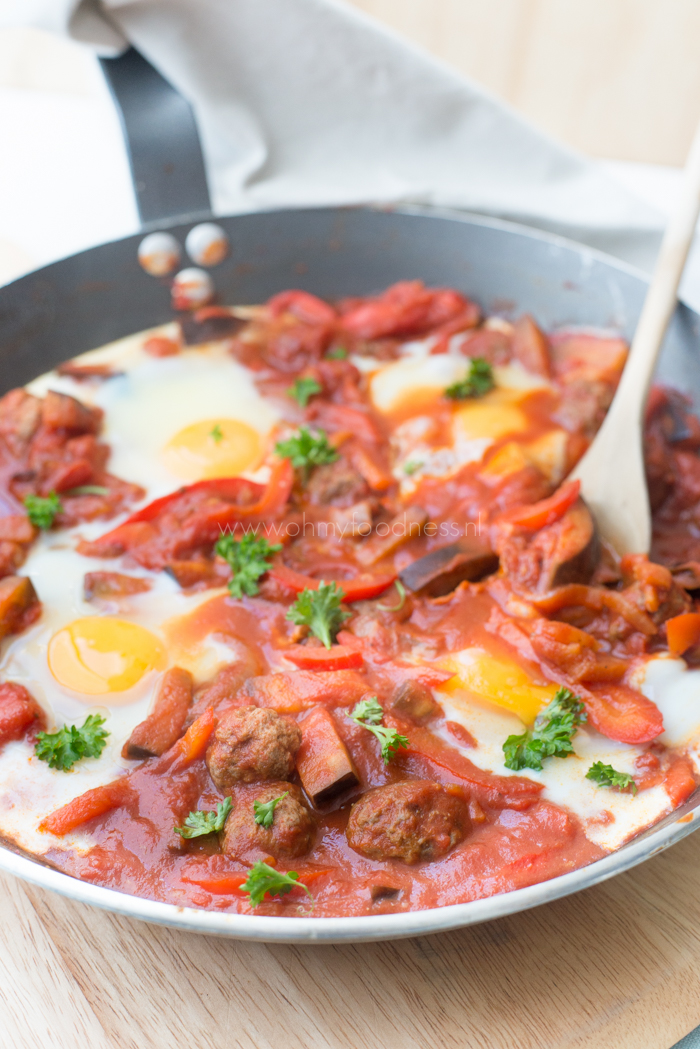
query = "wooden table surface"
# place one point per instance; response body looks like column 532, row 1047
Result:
column 615, row 967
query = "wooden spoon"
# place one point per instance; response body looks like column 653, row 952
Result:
column 611, row 473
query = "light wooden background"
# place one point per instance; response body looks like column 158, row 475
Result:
column 615, row 967
column 615, row 78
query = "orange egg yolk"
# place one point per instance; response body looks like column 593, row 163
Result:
column 213, row 448
column 101, row 654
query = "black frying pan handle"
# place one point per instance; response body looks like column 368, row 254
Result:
column 162, row 141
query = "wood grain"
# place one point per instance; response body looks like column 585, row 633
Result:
column 614, row 78
column 616, row 966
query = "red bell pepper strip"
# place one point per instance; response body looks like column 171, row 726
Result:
column 206, row 522
column 513, row 792
column 304, row 306
column 297, row 690
column 682, row 632
column 225, row 487
column 338, row 657
column 86, row 807
column 230, row 884
column 621, row 713
column 334, row 417
column 679, row 781
column 19, row 711
column 546, row 512
column 361, row 588
column 217, row 884
column 271, row 497
column 194, row 743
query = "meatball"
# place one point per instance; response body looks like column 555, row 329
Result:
column 252, row 743
column 336, row 484
column 410, row 821
column 290, row 834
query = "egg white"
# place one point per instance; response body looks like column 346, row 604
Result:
column 145, row 407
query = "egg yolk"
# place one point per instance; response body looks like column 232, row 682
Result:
column 489, row 419
column 501, row 682
column 213, row 448
column 100, row 654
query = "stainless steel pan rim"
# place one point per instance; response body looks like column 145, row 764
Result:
column 536, row 265
column 360, row 929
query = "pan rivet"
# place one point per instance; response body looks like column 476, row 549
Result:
column 207, row 244
column 159, row 254
column 191, row 289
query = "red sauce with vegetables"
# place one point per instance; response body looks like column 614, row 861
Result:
column 327, row 732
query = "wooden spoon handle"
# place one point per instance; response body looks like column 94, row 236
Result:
column 661, row 298
column 611, row 472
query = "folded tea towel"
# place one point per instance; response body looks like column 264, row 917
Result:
column 303, row 102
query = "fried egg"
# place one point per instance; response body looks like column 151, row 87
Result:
column 418, row 379
column 494, row 699
column 199, row 415
column 189, row 417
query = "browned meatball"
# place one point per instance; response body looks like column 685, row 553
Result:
column 336, row 484
column 290, row 834
column 409, row 821
column 252, row 743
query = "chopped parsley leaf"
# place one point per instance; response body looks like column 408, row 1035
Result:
column 478, row 381
column 216, row 434
column 369, row 710
column 42, row 511
column 248, row 559
column 264, row 811
column 412, row 467
column 369, row 713
column 607, row 776
column 305, row 450
column 62, row 749
column 264, row 879
column 551, row 734
column 303, row 389
column 205, row 821
column 320, row 611
column 338, row 353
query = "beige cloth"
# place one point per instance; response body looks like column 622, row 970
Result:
column 303, row 102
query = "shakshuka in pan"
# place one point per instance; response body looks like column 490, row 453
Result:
column 302, row 617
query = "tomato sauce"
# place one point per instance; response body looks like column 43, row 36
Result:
column 492, row 551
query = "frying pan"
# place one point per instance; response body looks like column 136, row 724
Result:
column 102, row 294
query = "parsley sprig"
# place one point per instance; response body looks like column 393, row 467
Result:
column 551, row 735
column 248, row 559
column 62, row 749
column 607, row 776
column 205, row 821
column 42, row 511
column 305, row 450
column 264, row 811
column 320, row 611
column 303, row 389
column 478, row 381
column 264, row 879
column 368, row 713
